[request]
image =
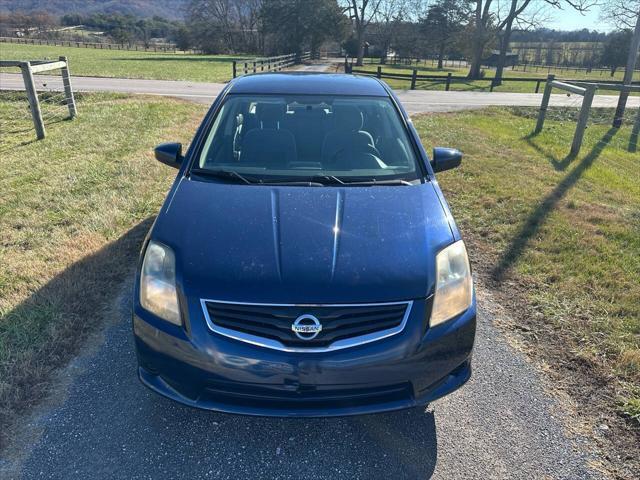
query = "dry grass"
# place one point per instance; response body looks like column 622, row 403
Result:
column 74, row 210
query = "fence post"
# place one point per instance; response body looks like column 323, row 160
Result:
column 413, row 79
column 545, row 103
column 582, row 119
column 68, row 91
column 448, row 82
column 635, row 132
column 538, row 86
column 234, row 69
column 379, row 74
column 32, row 95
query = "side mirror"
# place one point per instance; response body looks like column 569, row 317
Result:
column 169, row 154
column 445, row 159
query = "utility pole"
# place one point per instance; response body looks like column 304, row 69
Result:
column 628, row 74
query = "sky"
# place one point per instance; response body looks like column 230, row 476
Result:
column 568, row 19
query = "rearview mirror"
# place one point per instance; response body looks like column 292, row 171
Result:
column 445, row 159
column 169, row 154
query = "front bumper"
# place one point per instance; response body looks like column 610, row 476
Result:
column 197, row 367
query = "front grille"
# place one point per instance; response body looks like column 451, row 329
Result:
column 271, row 325
column 305, row 396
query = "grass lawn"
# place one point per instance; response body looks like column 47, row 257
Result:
column 126, row 64
column 484, row 85
column 73, row 211
column 562, row 233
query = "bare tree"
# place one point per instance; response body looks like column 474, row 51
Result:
column 515, row 16
column 486, row 23
column 303, row 31
column 620, row 13
column 624, row 14
column 362, row 13
column 225, row 24
column 390, row 16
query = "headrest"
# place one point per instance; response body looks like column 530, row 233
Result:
column 347, row 117
column 270, row 113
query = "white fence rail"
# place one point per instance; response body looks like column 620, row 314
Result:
column 28, row 69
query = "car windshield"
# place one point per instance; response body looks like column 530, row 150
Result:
column 309, row 138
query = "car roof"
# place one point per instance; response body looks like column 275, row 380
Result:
column 306, row 83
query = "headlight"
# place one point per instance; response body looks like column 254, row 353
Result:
column 158, row 283
column 454, row 286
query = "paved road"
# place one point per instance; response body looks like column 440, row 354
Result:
column 314, row 67
column 104, row 424
column 415, row 101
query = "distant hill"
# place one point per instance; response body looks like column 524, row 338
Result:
column 171, row 9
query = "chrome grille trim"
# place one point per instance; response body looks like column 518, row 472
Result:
column 276, row 345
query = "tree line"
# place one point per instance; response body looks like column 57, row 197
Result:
column 470, row 29
column 117, row 28
column 124, row 28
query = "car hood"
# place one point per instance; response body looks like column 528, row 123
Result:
column 287, row 244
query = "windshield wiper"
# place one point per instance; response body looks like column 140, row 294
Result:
column 223, row 174
column 373, row 181
column 327, row 179
column 232, row 174
column 314, row 181
column 292, row 183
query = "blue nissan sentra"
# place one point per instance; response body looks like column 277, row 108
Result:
column 305, row 262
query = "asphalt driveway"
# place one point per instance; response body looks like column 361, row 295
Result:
column 103, row 423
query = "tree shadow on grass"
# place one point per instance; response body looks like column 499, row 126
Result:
column 559, row 164
column 44, row 331
column 539, row 216
column 6, row 146
column 21, row 137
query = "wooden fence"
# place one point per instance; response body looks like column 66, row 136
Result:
column 530, row 67
column 450, row 79
column 28, row 68
column 587, row 91
column 396, row 60
column 267, row 64
column 463, row 63
column 133, row 47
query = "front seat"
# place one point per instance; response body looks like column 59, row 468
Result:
column 346, row 134
column 268, row 144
